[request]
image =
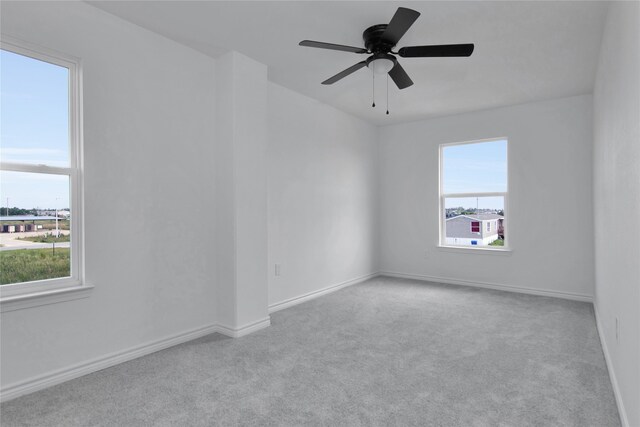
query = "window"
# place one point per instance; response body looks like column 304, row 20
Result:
column 41, row 173
column 473, row 190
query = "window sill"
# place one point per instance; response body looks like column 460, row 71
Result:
column 476, row 251
column 19, row 302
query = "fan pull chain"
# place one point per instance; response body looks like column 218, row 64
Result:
column 373, row 89
column 387, row 94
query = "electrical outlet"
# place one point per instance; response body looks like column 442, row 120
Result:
column 617, row 331
column 278, row 270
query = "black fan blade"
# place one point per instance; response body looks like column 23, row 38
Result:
column 322, row 45
column 436, row 50
column 400, row 23
column 345, row 73
column 400, row 77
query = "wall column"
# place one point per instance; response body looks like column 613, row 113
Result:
column 241, row 194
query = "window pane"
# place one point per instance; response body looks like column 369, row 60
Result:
column 474, row 221
column 35, row 227
column 35, row 111
column 474, row 168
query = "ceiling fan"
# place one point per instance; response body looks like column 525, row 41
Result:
column 379, row 40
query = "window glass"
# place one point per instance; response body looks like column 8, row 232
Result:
column 36, row 212
column 35, row 111
column 473, row 192
column 473, row 168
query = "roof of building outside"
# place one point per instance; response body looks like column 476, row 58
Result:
column 27, row 218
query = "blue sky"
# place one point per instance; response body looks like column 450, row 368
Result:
column 473, row 168
column 34, row 129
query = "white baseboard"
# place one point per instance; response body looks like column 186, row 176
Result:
column 59, row 376
column 612, row 374
column 315, row 294
column 496, row 286
column 246, row 329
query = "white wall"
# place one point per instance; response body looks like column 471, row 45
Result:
column 322, row 195
column 617, row 201
column 550, row 204
column 148, row 108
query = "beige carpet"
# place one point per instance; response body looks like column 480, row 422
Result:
column 386, row 352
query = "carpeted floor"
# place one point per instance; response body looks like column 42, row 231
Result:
column 387, row 352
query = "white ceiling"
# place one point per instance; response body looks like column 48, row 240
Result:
column 524, row 51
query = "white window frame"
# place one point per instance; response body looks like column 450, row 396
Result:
column 40, row 292
column 442, row 210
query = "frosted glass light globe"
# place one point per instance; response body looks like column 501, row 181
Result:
column 381, row 65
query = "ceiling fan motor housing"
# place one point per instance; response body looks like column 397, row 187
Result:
column 373, row 40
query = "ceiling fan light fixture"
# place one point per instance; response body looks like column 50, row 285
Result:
column 381, row 65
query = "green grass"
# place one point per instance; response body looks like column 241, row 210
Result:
column 498, row 242
column 25, row 265
column 46, row 238
column 51, row 224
